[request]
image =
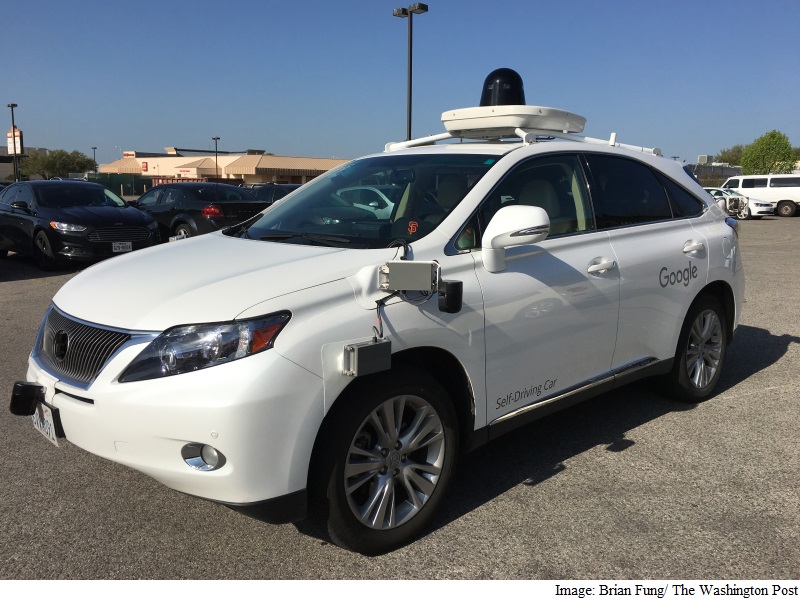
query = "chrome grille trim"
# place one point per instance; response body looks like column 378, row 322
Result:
column 118, row 234
column 90, row 347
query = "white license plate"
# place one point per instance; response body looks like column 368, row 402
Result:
column 44, row 422
column 121, row 246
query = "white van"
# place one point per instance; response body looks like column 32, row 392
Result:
column 782, row 191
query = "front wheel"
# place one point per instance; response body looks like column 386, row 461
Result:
column 745, row 214
column 183, row 231
column 701, row 352
column 43, row 252
column 386, row 463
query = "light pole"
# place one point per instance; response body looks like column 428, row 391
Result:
column 216, row 164
column 94, row 158
column 12, row 106
column 415, row 9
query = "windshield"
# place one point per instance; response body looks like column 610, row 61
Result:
column 372, row 202
column 67, row 195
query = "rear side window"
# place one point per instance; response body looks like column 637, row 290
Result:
column 761, row 182
column 784, row 182
column 626, row 192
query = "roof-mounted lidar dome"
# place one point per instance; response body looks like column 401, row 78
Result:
column 503, row 87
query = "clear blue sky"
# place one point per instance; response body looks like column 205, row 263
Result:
column 328, row 78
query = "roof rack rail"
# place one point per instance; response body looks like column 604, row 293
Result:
column 528, row 136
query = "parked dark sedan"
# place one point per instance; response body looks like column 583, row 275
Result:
column 193, row 208
column 66, row 221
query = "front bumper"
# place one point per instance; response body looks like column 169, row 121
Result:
column 261, row 412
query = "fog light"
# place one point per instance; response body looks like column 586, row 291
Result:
column 202, row 457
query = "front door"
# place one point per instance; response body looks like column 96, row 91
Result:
column 551, row 315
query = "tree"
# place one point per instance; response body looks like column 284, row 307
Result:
column 732, row 155
column 56, row 163
column 771, row 153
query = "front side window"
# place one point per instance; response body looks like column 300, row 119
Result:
column 372, row 202
column 173, row 196
column 733, row 183
column 554, row 183
column 626, row 192
column 152, row 197
column 8, row 194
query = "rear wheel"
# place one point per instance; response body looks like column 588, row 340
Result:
column 385, row 465
column 702, row 348
column 787, row 209
column 43, row 252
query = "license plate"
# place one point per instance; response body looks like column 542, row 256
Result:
column 121, row 246
column 44, row 422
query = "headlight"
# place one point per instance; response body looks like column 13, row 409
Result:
column 193, row 347
column 152, row 225
column 57, row 225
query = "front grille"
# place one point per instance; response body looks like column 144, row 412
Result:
column 119, row 234
column 76, row 352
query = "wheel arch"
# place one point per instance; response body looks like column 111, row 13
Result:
column 180, row 219
column 722, row 292
column 437, row 363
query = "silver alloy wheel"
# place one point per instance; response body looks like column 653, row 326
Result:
column 394, row 462
column 704, row 351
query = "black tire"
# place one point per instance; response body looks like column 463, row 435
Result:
column 184, row 230
column 702, row 349
column 745, row 214
column 43, row 252
column 786, row 209
column 375, row 484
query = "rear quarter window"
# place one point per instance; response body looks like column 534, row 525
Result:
column 683, row 203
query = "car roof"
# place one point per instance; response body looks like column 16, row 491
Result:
column 197, row 184
column 57, row 182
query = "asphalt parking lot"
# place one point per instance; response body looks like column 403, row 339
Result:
column 629, row 485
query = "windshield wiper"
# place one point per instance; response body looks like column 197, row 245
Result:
column 327, row 240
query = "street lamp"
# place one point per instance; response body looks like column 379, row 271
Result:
column 415, row 9
column 12, row 106
column 216, row 164
column 94, row 158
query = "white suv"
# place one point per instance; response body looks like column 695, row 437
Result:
column 323, row 360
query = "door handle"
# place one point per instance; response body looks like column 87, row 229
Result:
column 602, row 267
column 692, row 246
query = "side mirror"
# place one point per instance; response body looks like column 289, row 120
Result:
column 512, row 226
column 21, row 205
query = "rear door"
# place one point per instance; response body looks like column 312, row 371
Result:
column 663, row 259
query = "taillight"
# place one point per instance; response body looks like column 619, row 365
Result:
column 213, row 211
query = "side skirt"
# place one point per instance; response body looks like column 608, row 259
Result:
column 619, row 377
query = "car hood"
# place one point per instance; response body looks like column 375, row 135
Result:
column 204, row 279
column 99, row 216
